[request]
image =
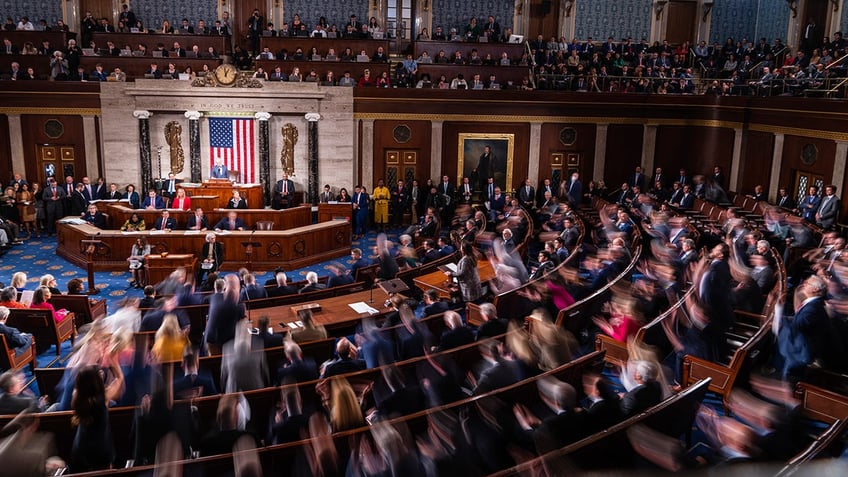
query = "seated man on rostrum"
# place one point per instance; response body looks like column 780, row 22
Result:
column 165, row 222
column 95, row 217
column 283, row 193
column 230, row 222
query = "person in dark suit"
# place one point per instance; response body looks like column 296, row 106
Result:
column 265, row 336
column 346, row 362
column 503, row 370
column 456, row 334
column 169, row 187
column 192, row 383
column 149, row 299
column 78, row 203
column 289, row 423
column 431, row 254
column 197, row 220
column 829, row 208
column 338, row 276
column 312, row 283
column 573, row 190
column 804, row 339
column 647, row 393
column 570, row 233
column 399, row 202
column 622, row 196
column 360, row 211
column 496, row 205
column 225, row 312
column 527, row 195
column 447, row 192
column 810, row 204
column 485, row 167
column 283, row 193
column 718, row 176
column 12, row 384
column 282, row 287
column 230, row 222
column 432, row 304
column 784, row 199
column 18, row 341
column 95, row 217
column 358, row 261
column 545, row 265
column 637, row 178
column 297, row 368
column 153, row 201
column 688, row 199
column 603, row 410
column 251, row 289
column 492, row 325
column 219, row 170
column 100, row 189
column 165, row 222
column 132, row 197
column 715, row 288
column 563, row 427
column 54, row 197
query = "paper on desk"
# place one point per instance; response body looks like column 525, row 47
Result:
column 451, row 267
column 157, row 232
column 362, row 307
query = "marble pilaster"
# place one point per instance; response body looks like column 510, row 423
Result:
column 16, row 143
column 736, row 164
column 264, row 155
column 435, row 149
column 144, row 149
column 194, row 145
column 312, row 133
column 600, row 152
column 838, row 178
column 776, row 162
column 533, row 166
column 649, row 146
column 367, row 152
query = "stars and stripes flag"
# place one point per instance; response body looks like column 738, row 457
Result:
column 231, row 140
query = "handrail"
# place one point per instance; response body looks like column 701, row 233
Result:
column 837, row 62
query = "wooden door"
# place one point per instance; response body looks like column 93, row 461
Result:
column 681, row 19
column 815, row 10
column 56, row 160
column 544, row 19
column 240, row 13
column 98, row 9
column 402, row 164
column 803, row 181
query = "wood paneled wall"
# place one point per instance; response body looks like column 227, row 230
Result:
column 823, row 165
column 584, row 145
column 5, row 150
column 624, row 153
column 521, row 150
column 757, row 152
column 419, row 142
column 32, row 127
column 696, row 148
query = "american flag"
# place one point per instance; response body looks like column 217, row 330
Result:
column 231, row 139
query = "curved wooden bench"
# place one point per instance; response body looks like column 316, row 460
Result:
column 43, row 327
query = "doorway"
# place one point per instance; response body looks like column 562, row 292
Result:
column 813, row 25
column 98, row 9
column 680, row 22
column 544, row 19
column 56, row 160
column 803, row 181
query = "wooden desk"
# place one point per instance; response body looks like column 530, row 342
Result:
column 513, row 50
column 503, row 74
column 203, row 42
column 282, row 219
column 327, row 211
column 293, row 248
column 335, row 311
column 252, row 193
column 160, row 267
column 57, row 39
column 322, row 67
column 441, row 283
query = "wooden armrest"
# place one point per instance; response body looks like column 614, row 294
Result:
column 696, row 369
column 616, row 351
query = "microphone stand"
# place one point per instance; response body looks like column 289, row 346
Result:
column 371, row 300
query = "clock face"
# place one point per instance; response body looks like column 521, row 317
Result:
column 226, row 74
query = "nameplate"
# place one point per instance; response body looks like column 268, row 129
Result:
column 313, row 307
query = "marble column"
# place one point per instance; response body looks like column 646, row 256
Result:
column 600, row 153
column 194, row 145
column 838, row 178
column 367, row 145
column 533, row 167
column 435, row 151
column 92, row 166
column 264, row 155
column 144, row 150
column 16, row 143
column 649, row 146
column 776, row 162
column 312, row 157
column 736, row 165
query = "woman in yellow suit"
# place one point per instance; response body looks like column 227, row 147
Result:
column 381, row 197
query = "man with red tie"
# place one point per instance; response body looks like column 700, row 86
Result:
column 54, row 198
column 231, row 222
column 283, row 193
column 165, row 222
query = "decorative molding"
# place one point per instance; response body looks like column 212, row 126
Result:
column 57, row 111
column 142, row 114
column 262, row 116
column 706, row 8
column 312, row 117
column 193, row 115
column 814, row 133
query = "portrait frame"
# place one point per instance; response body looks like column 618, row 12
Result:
column 469, row 148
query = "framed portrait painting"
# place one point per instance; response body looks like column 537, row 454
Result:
column 484, row 155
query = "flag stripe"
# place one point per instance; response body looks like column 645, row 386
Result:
column 231, row 140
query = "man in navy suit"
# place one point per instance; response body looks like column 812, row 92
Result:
column 715, row 288
column 360, row 212
column 432, row 304
column 193, row 384
column 804, row 339
column 283, row 193
column 230, row 222
column 153, row 201
column 810, row 205
column 574, row 190
column 197, row 221
column 688, row 199
column 338, row 276
column 165, row 222
column 637, row 178
column 20, row 342
column 829, row 208
column 496, row 204
column 282, row 288
column 358, row 261
column 219, row 170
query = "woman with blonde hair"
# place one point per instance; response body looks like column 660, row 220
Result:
column 49, row 281
column 19, row 280
column 345, row 412
column 170, row 341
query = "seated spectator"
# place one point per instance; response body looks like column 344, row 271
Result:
column 433, row 305
column 296, row 368
column 282, row 287
column 18, row 341
column 8, row 298
column 310, row 331
column 456, row 334
column 41, row 299
column 312, row 283
column 75, row 287
column 49, row 281
column 345, row 362
column 221, row 439
column 648, row 391
column 338, row 276
column 265, row 337
column 13, row 387
column 252, row 290
column 492, row 325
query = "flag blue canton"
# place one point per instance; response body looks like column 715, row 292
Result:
column 220, row 132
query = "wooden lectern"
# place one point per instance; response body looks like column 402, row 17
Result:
column 248, row 251
column 160, row 266
column 90, row 246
